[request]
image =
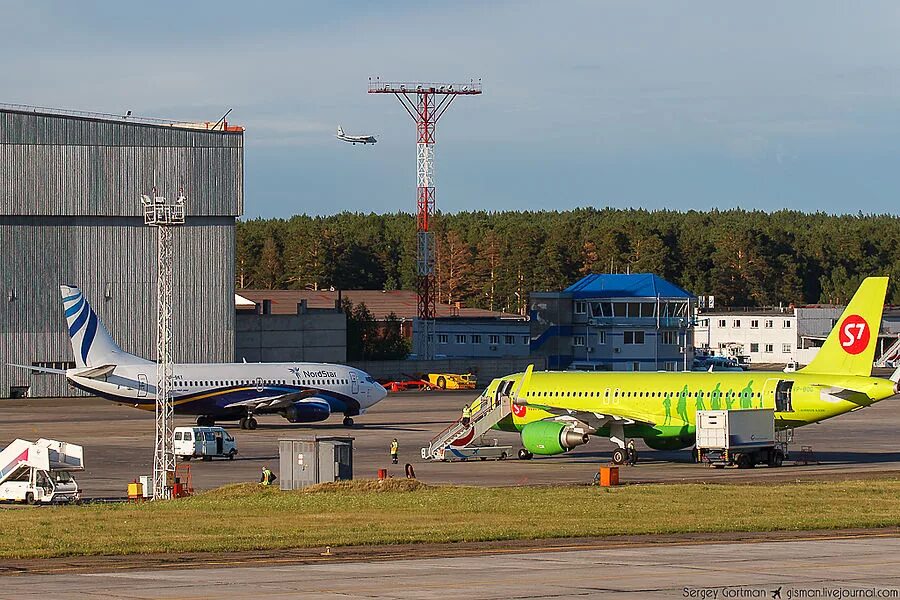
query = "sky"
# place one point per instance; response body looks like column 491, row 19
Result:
column 666, row 104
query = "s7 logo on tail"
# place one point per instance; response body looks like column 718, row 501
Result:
column 854, row 334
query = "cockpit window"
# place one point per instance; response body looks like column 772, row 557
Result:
column 370, row 379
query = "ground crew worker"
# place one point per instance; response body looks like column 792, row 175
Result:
column 395, row 449
column 267, row 476
column 632, row 453
column 466, row 415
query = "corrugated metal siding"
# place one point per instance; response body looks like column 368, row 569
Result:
column 76, row 166
column 69, row 204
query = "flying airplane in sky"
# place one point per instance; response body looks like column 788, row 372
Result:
column 299, row 392
column 557, row 411
column 355, row 139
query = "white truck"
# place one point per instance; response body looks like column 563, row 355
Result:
column 40, row 472
column 742, row 438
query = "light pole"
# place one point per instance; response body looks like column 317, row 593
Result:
column 162, row 214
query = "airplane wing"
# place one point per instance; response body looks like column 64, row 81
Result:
column 266, row 403
column 591, row 421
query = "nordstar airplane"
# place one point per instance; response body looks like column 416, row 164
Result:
column 299, row 392
column 557, row 411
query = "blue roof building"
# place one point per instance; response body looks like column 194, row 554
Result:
column 613, row 322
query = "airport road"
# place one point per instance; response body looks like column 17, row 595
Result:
column 731, row 570
column 118, row 443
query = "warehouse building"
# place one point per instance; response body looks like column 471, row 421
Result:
column 614, row 322
column 70, row 212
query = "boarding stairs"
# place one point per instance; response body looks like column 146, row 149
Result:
column 488, row 412
column 44, row 455
column 891, row 356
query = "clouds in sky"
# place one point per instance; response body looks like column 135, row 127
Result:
column 665, row 104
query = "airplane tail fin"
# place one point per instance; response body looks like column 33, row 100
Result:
column 340, row 130
column 91, row 342
column 850, row 347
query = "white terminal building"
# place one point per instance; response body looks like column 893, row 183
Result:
column 777, row 335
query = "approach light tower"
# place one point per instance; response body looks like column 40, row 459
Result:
column 432, row 100
column 163, row 215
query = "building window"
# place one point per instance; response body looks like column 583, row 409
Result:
column 580, row 307
column 721, row 322
column 633, row 337
column 578, row 340
column 787, row 324
column 442, row 338
column 754, row 347
column 509, row 339
column 737, row 323
column 754, row 324
column 669, row 338
column 476, row 338
column 786, row 348
column 769, row 348
column 526, row 340
column 460, row 338
column 768, row 323
column 601, row 337
column 494, row 339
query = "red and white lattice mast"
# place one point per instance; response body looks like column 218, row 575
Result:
column 431, row 101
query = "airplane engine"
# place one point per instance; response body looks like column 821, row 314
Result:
column 551, row 437
column 307, row 411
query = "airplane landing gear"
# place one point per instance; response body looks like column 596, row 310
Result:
column 205, row 421
column 617, row 436
column 348, row 422
column 248, row 422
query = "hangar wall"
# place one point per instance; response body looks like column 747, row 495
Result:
column 70, row 212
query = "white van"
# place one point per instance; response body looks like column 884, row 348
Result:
column 205, row 442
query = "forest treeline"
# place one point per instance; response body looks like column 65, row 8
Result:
column 494, row 259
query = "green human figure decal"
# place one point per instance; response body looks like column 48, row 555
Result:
column 698, row 400
column 729, row 399
column 667, row 404
column 715, row 398
column 747, row 395
column 682, row 404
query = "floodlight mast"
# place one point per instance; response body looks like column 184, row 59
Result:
column 432, row 100
column 163, row 215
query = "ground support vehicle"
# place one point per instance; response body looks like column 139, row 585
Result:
column 742, row 438
column 452, row 381
column 203, row 442
column 40, row 472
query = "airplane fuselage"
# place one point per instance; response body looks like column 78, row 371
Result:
column 219, row 390
column 666, row 403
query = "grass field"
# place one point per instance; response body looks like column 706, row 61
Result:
column 248, row 517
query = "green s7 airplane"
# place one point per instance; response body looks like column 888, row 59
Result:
column 557, row 411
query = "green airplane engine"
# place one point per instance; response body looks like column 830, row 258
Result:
column 551, row 437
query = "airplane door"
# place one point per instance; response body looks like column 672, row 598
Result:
column 778, row 393
column 259, row 384
column 354, row 383
column 142, row 385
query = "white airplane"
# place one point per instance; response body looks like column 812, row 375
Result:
column 299, row 392
column 354, row 139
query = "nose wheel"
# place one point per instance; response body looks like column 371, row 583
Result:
column 348, row 422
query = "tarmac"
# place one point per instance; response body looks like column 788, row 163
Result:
column 118, row 446
column 867, row 566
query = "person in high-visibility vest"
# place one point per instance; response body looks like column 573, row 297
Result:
column 267, row 476
column 466, row 415
column 395, row 449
